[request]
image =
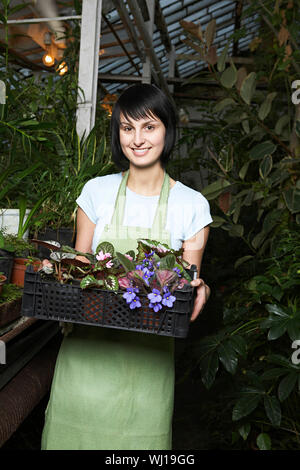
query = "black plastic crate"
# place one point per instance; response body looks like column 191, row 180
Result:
column 50, row 300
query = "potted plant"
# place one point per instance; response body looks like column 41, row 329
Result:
column 81, row 160
column 3, row 279
column 113, row 289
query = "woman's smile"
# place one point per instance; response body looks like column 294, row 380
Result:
column 140, row 152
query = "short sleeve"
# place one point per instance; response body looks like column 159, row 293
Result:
column 85, row 201
column 197, row 217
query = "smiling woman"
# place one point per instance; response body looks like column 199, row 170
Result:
column 114, row 389
column 143, row 138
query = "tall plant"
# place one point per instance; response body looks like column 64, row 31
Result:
column 255, row 198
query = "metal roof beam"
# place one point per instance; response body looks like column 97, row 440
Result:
column 120, row 43
column 124, row 16
column 136, row 12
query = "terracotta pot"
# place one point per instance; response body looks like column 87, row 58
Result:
column 2, row 281
column 19, row 268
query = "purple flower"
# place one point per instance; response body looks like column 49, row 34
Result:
column 135, row 303
column 156, row 307
column 168, row 299
column 130, row 294
column 155, row 296
column 177, row 271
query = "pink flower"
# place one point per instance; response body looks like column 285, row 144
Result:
column 109, row 264
column 101, row 256
column 129, row 257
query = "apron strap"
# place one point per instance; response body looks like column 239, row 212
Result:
column 160, row 218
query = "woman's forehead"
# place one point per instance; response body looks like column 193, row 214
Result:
column 149, row 117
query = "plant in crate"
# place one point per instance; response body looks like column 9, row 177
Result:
column 156, row 269
column 105, row 287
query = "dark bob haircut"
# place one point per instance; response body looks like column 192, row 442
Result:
column 140, row 101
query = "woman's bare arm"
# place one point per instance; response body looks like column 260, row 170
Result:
column 85, row 233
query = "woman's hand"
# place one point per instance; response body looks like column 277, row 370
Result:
column 203, row 293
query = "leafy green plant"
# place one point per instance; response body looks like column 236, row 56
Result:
column 252, row 158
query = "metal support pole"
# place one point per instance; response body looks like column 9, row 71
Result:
column 136, row 12
column 88, row 65
column 171, row 73
column 149, row 25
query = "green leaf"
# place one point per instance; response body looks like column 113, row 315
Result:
column 239, row 345
column 244, row 430
column 228, row 357
column 261, row 150
column 292, row 199
column 236, row 230
column 222, row 104
column 90, row 281
column 265, row 107
column 248, row 87
column 222, row 59
column 111, row 283
column 245, row 405
column 217, row 221
column 229, row 77
column 243, row 170
column 286, row 385
column 209, row 366
column 265, row 166
column 263, row 441
column 213, row 190
column 127, row 264
column 167, row 262
column 273, row 409
column 242, row 260
column 281, row 123
column 106, row 247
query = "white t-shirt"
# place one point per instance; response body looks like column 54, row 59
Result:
column 188, row 211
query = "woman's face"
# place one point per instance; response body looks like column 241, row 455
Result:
column 142, row 141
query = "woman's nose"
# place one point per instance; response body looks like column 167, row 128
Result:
column 139, row 138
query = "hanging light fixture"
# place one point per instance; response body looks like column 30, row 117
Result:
column 48, row 58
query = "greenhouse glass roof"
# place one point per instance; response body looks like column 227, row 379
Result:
column 122, row 46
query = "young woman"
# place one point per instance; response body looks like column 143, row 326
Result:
column 114, row 389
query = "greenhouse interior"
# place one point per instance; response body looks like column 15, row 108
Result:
column 231, row 72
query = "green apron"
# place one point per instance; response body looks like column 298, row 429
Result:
column 114, row 389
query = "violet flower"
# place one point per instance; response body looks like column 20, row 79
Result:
column 156, row 307
column 155, row 296
column 135, row 303
column 168, row 299
column 130, row 294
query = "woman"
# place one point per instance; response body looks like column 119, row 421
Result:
column 114, row 389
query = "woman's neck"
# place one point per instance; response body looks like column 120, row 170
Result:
column 146, row 181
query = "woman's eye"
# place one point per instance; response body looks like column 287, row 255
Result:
column 126, row 129
column 150, row 127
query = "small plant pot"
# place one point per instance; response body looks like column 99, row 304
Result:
column 3, row 280
column 6, row 263
column 19, row 268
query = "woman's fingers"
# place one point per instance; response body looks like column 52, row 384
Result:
column 203, row 292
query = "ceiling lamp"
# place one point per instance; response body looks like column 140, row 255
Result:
column 48, row 58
